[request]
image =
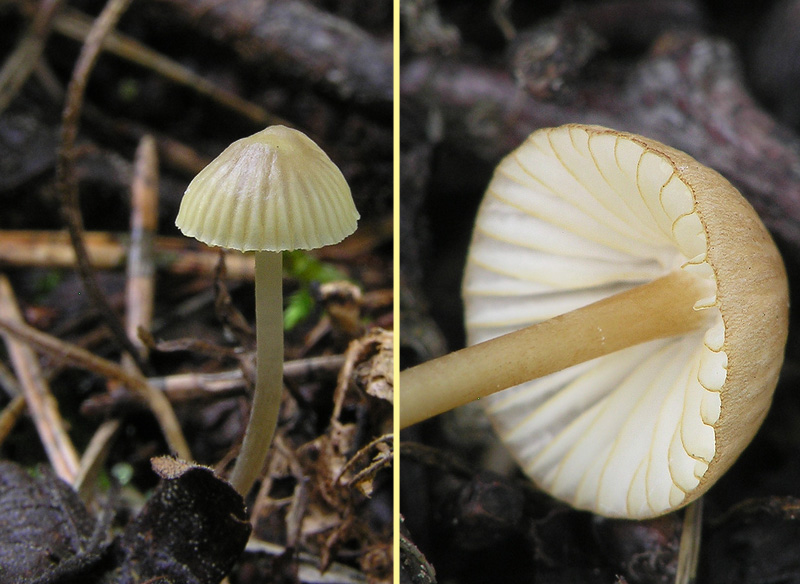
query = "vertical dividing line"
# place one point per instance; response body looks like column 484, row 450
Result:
column 396, row 292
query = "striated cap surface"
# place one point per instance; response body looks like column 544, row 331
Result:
column 273, row 191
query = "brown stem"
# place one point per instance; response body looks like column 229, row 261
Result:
column 659, row 309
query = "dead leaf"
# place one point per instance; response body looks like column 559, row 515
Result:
column 191, row 531
column 46, row 533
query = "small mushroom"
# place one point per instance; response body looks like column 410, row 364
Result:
column 659, row 311
column 270, row 192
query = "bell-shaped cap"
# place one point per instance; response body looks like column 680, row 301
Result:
column 273, row 191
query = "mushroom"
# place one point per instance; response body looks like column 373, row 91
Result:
column 658, row 306
column 270, row 192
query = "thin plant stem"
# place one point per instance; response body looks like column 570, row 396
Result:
column 658, row 309
column 41, row 403
column 65, row 170
column 269, row 371
column 25, row 57
column 73, row 355
column 689, row 550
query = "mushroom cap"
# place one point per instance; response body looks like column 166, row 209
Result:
column 275, row 190
column 576, row 214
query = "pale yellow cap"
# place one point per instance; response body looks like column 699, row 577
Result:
column 275, row 190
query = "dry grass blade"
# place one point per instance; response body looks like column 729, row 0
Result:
column 10, row 415
column 140, row 284
column 76, row 26
column 41, row 403
column 65, row 169
column 78, row 357
column 23, row 60
column 689, row 551
column 94, row 456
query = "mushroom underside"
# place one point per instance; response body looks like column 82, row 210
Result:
column 588, row 214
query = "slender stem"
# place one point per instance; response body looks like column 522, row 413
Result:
column 269, row 371
column 662, row 308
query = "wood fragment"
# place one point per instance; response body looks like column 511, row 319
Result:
column 41, row 403
column 139, row 297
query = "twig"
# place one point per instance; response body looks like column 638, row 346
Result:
column 76, row 26
column 41, row 403
column 380, row 462
column 10, row 415
column 139, row 294
column 226, row 311
column 140, row 284
column 8, row 382
column 300, row 496
column 197, row 384
column 95, row 456
column 19, row 64
column 76, row 356
column 185, row 387
column 689, row 550
column 178, row 255
column 353, row 354
column 66, row 179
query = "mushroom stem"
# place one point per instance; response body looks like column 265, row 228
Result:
column 658, row 309
column 269, row 371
